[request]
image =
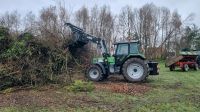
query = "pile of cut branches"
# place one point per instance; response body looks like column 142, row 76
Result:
column 26, row 61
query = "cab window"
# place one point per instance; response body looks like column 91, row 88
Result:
column 133, row 48
column 122, row 49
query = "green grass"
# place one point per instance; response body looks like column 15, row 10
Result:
column 175, row 91
column 171, row 91
column 19, row 109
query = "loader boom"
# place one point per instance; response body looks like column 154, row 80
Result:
column 82, row 36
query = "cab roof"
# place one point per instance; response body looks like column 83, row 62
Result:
column 125, row 42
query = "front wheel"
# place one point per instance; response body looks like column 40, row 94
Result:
column 94, row 73
column 135, row 70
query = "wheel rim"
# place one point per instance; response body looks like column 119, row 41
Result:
column 94, row 73
column 135, row 71
column 186, row 67
column 196, row 66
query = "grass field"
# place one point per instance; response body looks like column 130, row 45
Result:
column 169, row 92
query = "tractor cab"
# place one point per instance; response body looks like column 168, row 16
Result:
column 125, row 50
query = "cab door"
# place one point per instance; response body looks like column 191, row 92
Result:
column 121, row 52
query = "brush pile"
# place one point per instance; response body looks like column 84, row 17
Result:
column 26, row 60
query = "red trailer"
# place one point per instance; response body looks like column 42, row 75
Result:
column 186, row 61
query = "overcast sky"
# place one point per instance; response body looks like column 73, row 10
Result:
column 184, row 7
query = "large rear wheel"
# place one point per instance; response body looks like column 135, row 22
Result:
column 135, row 70
column 94, row 73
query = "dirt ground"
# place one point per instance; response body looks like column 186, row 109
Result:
column 117, row 84
column 52, row 95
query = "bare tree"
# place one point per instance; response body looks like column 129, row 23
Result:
column 12, row 21
column 30, row 23
column 51, row 25
column 82, row 18
column 126, row 24
column 94, row 24
column 165, row 20
column 146, row 19
column 106, row 22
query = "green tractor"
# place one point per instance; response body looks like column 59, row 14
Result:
column 127, row 59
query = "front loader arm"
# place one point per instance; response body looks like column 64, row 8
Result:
column 81, row 36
